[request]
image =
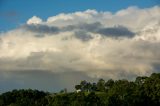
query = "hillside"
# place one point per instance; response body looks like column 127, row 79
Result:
column 144, row 91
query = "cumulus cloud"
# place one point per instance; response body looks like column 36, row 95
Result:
column 97, row 44
column 34, row 20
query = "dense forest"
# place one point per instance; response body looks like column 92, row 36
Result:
column 144, row 91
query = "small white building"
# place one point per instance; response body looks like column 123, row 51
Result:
column 78, row 90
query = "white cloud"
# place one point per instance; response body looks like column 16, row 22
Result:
column 132, row 17
column 60, row 45
column 34, row 20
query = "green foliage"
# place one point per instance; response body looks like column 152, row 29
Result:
column 78, row 87
column 144, row 91
column 101, row 85
column 23, row 98
column 109, row 84
column 93, row 100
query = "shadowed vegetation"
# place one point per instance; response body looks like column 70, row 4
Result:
column 144, row 91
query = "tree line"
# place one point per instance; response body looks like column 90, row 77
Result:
column 144, row 91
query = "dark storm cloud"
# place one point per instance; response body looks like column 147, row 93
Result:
column 119, row 31
column 82, row 35
column 97, row 27
column 42, row 28
column 91, row 27
column 84, row 28
column 81, row 30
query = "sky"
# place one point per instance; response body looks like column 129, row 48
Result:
column 53, row 44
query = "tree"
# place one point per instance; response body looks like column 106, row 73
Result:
column 101, row 85
column 94, row 87
column 77, row 87
column 140, row 80
column 63, row 90
column 144, row 91
column 78, row 99
column 109, row 84
column 83, row 85
column 88, row 86
column 93, row 100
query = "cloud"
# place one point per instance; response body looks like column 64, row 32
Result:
column 96, row 44
column 125, row 17
column 82, row 35
column 97, row 27
column 34, row 20
column 41, row 28
column 81, row 30
column 116, row 31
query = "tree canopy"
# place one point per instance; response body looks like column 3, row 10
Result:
column 144, row 91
